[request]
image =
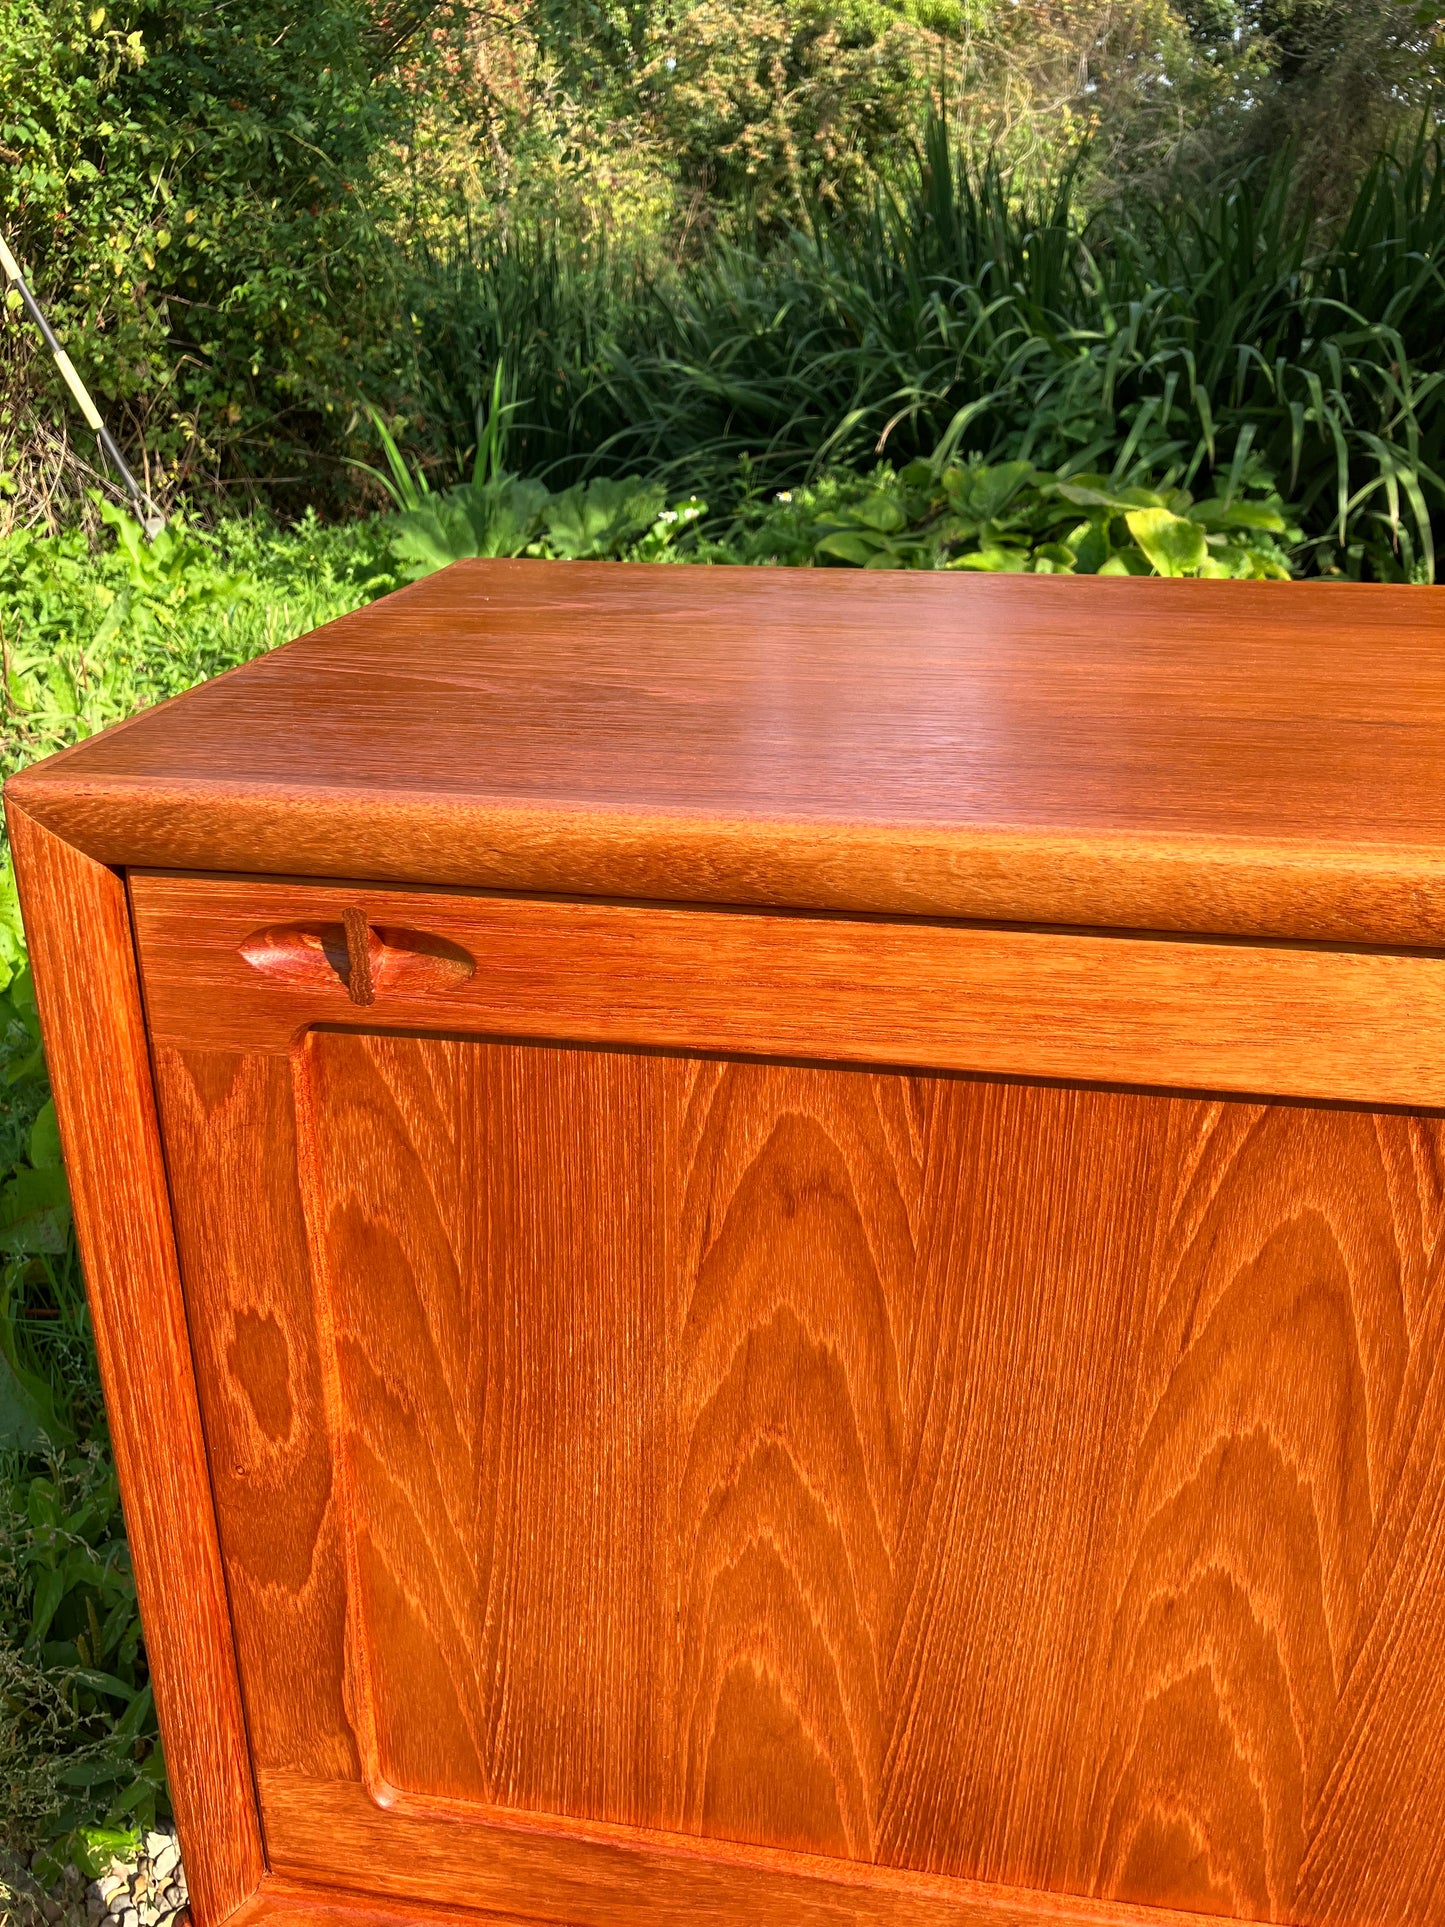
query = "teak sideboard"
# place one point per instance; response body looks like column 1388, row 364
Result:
column 769, row 1247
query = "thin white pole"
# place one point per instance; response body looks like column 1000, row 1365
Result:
column 147, row 514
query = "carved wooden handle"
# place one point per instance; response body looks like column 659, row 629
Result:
column 353, row 955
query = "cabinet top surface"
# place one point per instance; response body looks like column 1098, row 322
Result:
column 1233, row 757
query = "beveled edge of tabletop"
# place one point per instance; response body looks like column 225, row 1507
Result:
column 1230, row 887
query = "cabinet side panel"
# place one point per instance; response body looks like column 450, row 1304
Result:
column 85, row 979
column 230, row 1133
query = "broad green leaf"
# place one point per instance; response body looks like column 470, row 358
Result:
column 1220, row 514
column 93, row 1848
column 994, row 561
column 1174, row 545
column 1097, row 492
column 106, row 1683
column 45, row 1139
column 139, row 1797
column 22, row 1414
column 985, row 493
column 49, row 1591
column 12, row 934
column 849, row 545
column 432, row 536
column 513, row 508
column 596, row 519
column 42, row 1503
column 35, row 1212
column 1090, row 546
column 95, row 1772
column 882, row 512
column 134, row 1717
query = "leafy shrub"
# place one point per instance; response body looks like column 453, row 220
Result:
column 1170, row 340
column 591, row 521
column 201, row 196
column 498, row 513
column 48, row 1382
column 1331, row 79
column 243, row 217
column 35, row 1237
column 774, row 102
column 1010, row 518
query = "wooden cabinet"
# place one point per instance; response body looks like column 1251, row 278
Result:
column 771, row 1247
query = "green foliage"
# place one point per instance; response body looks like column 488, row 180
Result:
column 1171, row 340
column 35, row 1233
column 80, row 1765
column 769, row 102
column 1011, row 518
column 1345, row 62
column 199, row 194
column 600, row 520
column 491, row 518
column 592, row 520
column 84, row 1767
column 498, row 513
column 245, row 217
column 48, row 1384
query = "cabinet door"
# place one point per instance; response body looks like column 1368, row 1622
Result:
column 674, row 1463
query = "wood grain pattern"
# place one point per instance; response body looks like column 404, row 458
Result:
column 1286, row 1019
column 640, row 1879
column 279, row 1902
column 231, row 1150
column 812, row 1900
column 815, row 1488
column 85, row 981
column 1248, row 758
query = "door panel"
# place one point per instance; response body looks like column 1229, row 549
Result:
column 1033, row 1484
